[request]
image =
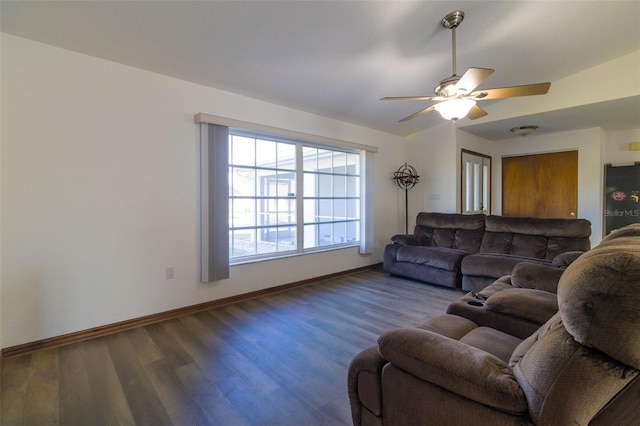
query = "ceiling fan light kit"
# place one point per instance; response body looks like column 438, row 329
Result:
column 456, row 95
column 454, row 109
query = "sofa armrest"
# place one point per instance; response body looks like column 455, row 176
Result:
column 526, row 303
column 536, row 276
column 454, row 366
column 565, row 259
column 364, row 385
column 406, row 240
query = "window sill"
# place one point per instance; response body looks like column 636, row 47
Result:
column 236, row 262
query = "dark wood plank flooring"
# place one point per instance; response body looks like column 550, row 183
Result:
column 279, row 359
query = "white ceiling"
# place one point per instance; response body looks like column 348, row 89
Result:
column 338, row 58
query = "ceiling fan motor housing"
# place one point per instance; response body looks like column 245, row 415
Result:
column 447, row 87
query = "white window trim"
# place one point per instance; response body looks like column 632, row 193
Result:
column 261, row 128
column 366, row 203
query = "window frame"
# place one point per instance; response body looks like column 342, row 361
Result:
column 300, row 196
column 214, row 175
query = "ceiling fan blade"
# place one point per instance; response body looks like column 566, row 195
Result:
column 473, row 78
column 510, row 92
column 476, row 112
column 407, row 98
column 415, row 114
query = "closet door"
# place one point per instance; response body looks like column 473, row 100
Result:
column 541, row 185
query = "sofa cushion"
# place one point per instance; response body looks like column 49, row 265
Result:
column 567, row 228
column 493, row 265
column 500, row 284
column 523, row 348
column 407, row 240
column 632, row 230
column 437, row 257
column 450, row 220
column 492, row 341
column 567, row 258
column 451, row 326
column 536, row 276
column 507, row 243
column 450, row 230
column 475, row 374
column 533, row 305
column 565, row 383
column 468, row 240
column 601, row 288
column 627, row 241
column 559, row 245
column 535, row 238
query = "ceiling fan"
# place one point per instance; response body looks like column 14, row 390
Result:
column 456, row 95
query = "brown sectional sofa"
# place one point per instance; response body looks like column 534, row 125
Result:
column 582, row 366
column 472, row 251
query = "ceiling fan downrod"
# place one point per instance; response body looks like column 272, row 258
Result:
column 451, row 21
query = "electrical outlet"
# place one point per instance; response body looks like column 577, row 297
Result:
column 169, row 273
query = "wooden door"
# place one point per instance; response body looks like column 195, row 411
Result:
column 542, row 185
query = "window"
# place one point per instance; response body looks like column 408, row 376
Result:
column 288, row 196
column 475, row 183
column 331, row 197
column 267, row 192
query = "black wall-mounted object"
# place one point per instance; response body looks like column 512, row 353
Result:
column 622, row 196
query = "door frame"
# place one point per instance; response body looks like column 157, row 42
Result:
column 463, row 151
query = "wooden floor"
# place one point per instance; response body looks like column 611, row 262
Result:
column 280, row 359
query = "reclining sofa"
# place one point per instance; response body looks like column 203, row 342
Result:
column 582, row 366
column 472, row 251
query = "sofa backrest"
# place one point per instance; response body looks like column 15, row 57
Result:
column 450, row 230
column 533, row 237
column 588, row 354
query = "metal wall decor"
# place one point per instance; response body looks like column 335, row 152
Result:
column 406, row 177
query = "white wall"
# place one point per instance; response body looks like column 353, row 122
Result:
column 433, row 154
column 99, row 174
column 618, row 78
column 1, row 91
column 617, row 146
